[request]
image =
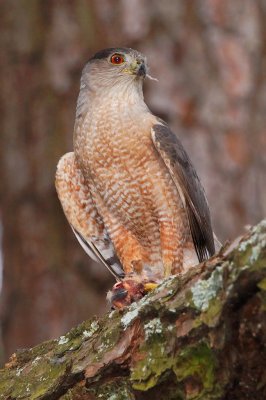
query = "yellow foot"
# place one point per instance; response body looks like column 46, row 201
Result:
column 149, row 286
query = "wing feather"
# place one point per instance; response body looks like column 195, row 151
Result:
column 189, row 187
column 83, row 217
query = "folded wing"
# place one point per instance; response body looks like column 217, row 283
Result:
column 82, row 215
column 189, row 187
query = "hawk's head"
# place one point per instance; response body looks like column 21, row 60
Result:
column 113, row 72
column 115, row 65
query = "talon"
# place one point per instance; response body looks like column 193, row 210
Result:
column 126, row 292
column 149, row 286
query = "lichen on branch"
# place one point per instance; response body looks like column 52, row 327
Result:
column 196, row 336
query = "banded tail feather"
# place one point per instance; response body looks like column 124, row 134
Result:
column 102, row 252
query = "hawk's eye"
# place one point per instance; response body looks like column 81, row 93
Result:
column 117, row 59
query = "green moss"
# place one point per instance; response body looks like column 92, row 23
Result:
column 74, row 338
column 196, row 360
column 262, row 294
column 148, row 371
column 34, row 380
column 154, row 356
column 6, row 382
column 262, row 284
column 211, row 315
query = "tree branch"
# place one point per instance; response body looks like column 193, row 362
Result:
column 199, row 336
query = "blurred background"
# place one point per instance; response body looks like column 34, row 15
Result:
column 210, row 59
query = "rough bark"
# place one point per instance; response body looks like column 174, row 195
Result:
column 199, row 336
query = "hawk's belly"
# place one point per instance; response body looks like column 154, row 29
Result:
column 138, row 201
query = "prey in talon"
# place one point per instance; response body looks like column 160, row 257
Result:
column 127, row 291
column 129, row 189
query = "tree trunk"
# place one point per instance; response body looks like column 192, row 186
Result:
column 199, row 336
column 49, row 284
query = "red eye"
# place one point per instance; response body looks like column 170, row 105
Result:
column 117, row 59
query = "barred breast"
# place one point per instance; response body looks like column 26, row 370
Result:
column 132, row 189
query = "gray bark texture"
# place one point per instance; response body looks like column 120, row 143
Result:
column 197, row 336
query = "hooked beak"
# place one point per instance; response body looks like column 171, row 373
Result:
column 142, row 70
column 138, row 68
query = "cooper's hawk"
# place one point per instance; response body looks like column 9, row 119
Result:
column 129, row 190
